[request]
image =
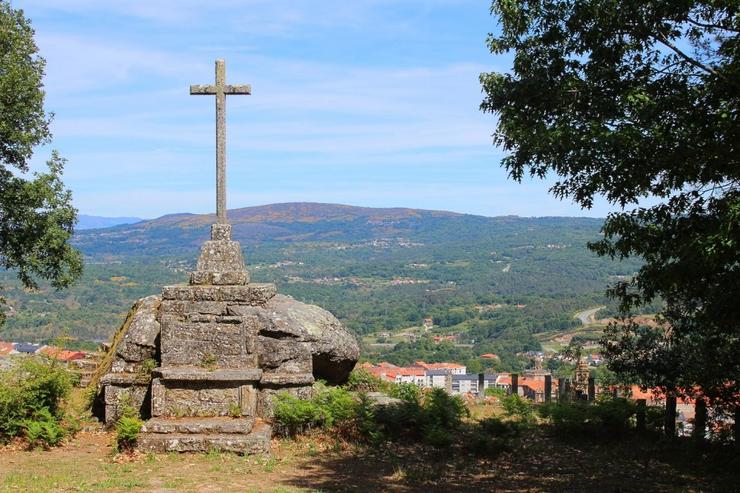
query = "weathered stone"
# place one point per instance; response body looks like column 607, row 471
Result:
column 335, row 350
column 140, row 340
column 125, row 379
column 118, row 396
column 158, row 398
column 256, row 442
column 198, row 425
column 251, row 294
column 200, row 399
column 248, row 400
column 220, row 90
column 205, row 342
column 221, row 231
column 200, row 375
column 220, row 262
column 284, row 356
column 286, row 379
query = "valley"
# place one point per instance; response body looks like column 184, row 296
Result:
column 411, row 284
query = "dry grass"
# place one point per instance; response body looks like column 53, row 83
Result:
column 322, row 462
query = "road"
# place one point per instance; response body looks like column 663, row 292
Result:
column 588, row 316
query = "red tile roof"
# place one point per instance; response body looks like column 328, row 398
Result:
column 6, row 348
column 61, row 354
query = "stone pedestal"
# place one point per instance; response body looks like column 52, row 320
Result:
column 204, row 394
column 220, row 261
column 221, row 348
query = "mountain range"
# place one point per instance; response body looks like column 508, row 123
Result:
column 313, row 222
column 85, row 221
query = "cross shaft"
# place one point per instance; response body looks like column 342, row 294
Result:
column 220, row 90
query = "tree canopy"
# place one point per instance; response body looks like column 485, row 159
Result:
column 638, row 102
column 36, row 214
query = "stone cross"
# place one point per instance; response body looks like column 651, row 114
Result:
column 220, row 90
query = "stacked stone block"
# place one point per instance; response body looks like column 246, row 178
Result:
column 223, row 348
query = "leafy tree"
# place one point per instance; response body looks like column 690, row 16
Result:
column 36, row 214
column 632, row 100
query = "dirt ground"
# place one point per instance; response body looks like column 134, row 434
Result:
column 88, row 462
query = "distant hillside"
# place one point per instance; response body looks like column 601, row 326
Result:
column 95, row 222
column 313, row 222
column 493, row 283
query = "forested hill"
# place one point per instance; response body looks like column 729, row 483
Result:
column 495, row 283
column 313, row 222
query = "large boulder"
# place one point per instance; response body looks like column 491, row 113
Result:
column 295, row 343
column 334, row 349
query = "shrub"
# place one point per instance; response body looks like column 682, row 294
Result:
column 437, row 436
column 443, row 409
column 34, row 387
column 328, row 407
column 127, row 432
column 494, row 392
column 605, row 417
column 518, row 408
column 43, row 429
column 491, row 436
column 365, row 420
column 406, row 392
column 435, row 418
column 402, row 420
column 362, row 380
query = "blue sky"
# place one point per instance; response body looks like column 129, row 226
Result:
column 363, row 102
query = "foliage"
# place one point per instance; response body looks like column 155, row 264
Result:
column 491, row 436
column 30, row 396
column 127, row 431
column 518, row 407
column 362, row 380
column 43, row 429
column 129, row 424
column 606, row 417
column 629, row 100
column 329, row 406
column 494, row 392
column 434, row 419
column 147, row 366
column 407, row 392
column 37, row 213
column 209, row 361
column 365, row 419
column 235, row 410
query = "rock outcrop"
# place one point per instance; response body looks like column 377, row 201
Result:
column 334, row 350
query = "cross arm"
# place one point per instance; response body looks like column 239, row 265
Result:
column 238, row 89
column 210, row 90
column 198, row 89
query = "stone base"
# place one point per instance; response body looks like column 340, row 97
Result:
column 121, row 390
column 220, row 261
column 255, row 442
column 225, row 425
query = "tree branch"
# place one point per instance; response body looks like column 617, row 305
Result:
column 696, row 63
column 711, row 26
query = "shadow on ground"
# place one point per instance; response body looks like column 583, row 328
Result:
column 537, row 463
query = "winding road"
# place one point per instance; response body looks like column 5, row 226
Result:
column 588, row 316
